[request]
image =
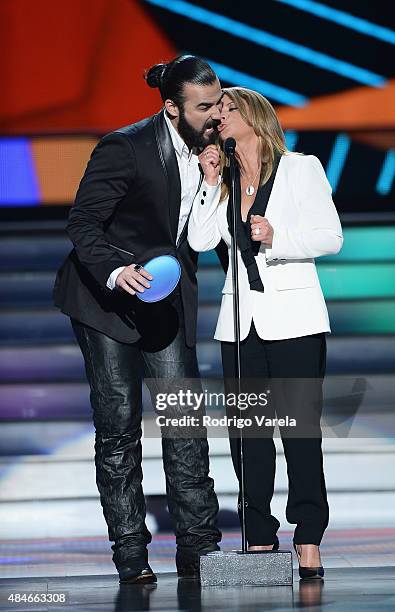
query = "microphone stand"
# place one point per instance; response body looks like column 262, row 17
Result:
column 230, row 151
column 239, row 568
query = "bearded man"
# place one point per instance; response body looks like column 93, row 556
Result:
column 133, row 204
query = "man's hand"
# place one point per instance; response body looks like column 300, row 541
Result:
column 261, row 230
column 131, row 280
column 209, row 161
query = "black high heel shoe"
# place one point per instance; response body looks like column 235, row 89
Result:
column 307, row 573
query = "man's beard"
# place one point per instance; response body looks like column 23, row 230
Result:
column 195, row 139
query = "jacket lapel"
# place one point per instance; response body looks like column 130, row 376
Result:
column 275, row 203
column 170, row 167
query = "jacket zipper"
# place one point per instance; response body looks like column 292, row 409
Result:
column 119, row 249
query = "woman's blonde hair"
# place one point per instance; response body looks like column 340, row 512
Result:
column 258, row 113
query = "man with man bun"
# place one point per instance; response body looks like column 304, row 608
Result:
column 133, row 204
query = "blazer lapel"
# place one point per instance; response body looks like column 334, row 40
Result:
column 169, row 163
column 275, row 202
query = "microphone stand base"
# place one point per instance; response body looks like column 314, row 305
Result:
column 254, row 568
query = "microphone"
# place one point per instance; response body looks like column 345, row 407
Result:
column 229, row 147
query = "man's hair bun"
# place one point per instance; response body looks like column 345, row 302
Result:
column 170, row 78
column 155, row 74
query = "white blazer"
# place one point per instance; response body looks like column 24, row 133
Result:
column 306, row 225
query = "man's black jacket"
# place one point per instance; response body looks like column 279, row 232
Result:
column 128, row 201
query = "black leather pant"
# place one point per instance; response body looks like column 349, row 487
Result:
column 299, row 359
column 115, row 371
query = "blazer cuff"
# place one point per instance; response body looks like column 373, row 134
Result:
column 208, row 196
column 273, row 253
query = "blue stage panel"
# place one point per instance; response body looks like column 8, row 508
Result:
column 18, row 180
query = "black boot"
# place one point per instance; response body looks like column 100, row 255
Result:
column 187, row 560
column 136, row 575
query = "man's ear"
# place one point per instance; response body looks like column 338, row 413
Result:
column 172, row 109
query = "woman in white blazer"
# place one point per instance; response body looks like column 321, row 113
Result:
column 286, row 219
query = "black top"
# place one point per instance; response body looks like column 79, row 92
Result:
column 249, row 248
column 258, row 208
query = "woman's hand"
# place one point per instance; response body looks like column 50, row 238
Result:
column 209, row 161
column 261, row 230
column 132, row 280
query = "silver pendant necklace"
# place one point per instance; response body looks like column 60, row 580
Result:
column 250, row 189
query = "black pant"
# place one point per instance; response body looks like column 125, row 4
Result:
column 115, row 371
column 307, row 506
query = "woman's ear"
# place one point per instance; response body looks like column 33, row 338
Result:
column 172, row 109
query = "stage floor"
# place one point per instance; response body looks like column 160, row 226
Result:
column 359, row 574
column 88, row 556
column 363, row 588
